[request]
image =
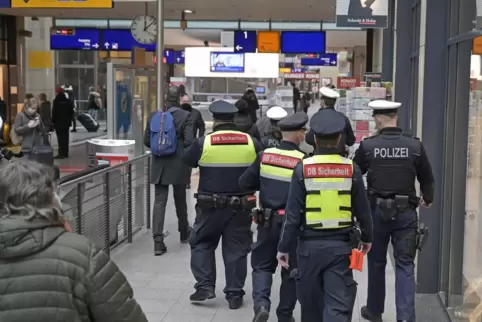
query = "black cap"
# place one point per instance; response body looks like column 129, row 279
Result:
column 293, row 122
column 222, row 110
column 327, row 123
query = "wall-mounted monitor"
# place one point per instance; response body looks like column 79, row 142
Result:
column 227, row 62
column 260, row 90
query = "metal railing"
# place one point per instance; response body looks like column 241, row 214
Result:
column 109, row 204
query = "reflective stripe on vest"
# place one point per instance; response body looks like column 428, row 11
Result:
column 227, row 149
column 328, row 180
column 278, row 164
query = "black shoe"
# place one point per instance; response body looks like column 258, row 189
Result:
column 159, row 247
column 202, row 295
column 59, row 157
column 73, row 131
column 367, row 315
column 235, row 302
column 185, row 235
column 261, row 315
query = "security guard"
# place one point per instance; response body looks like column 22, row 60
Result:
column 222, row 208
column 271, row 175
column 393, row 160
column 328, row 101
column 272, row 137
column 326, row 194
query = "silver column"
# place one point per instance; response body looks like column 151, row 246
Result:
column 160, row 55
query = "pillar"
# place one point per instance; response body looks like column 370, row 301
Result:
column 377, row 50
column 39, row 67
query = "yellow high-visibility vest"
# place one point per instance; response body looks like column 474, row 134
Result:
column 328, row 181
column 227, row 149
column 279, row 164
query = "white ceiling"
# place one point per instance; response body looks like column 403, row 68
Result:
column 254, row 10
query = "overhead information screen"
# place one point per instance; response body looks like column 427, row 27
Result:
column 245, row 41
column 122, row 40
column 303, row 42
column 74, row 39
column 227, row 62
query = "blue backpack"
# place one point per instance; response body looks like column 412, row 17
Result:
column 163, row 134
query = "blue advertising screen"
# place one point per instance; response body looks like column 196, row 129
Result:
column 75, row 39
column 245, row 41
column 122, row 40
column 5, row 4
column 226, row 62
column 323, row 60
column 303, row 42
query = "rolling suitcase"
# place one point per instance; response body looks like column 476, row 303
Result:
column 88, row 122
column 42, row 150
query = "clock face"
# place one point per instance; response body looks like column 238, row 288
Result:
column 144, row 29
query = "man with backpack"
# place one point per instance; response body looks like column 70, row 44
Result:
column 167, row 133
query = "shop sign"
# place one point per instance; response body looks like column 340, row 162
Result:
column 347, row 82
column 477, row 45
column 312, row 76
column 90, row 4
column 295, row 75
column 368, row 14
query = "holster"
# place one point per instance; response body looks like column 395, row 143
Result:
column 265, row 216
column 422, row 234
column 219, row 202
column 355, row 235
column 390, row 207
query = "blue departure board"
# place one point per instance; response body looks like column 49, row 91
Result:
column 179, row 57
column 122, row 40
column 245, row 41
column 5, row 4
column 74, row 39
column 303, row 42
column 322, row 60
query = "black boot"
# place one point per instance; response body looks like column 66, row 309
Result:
column 235, row 302
column 367, row 315
column 159, row 246
column 202, row 295
column 261, row 315
column 185, row 235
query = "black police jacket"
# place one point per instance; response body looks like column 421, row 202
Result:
column 393, row 160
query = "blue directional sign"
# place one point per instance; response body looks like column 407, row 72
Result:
column 245, row 41
column 179, row 57
column 122, row 40
column 5, row 4
column 74, row 39
column 297, row 70
column 322, row 60
column 303, row 42
column 169, row 55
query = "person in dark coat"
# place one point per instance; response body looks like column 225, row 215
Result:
column 196, row 119
column 243, row 121
column 62, row 115
column 296, row 98
column 253, row 105
column 171, row 170
column 45, row 111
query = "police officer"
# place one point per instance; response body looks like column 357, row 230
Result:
column 393, row 160
column 326, row 194
column 222, row 208
column 328, row 101
column 271, row 175
column 272, row 137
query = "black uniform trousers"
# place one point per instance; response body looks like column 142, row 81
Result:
column 63, row 141
column 325, row 284
column 264, row 263
column 402, row 232
column 235, row 229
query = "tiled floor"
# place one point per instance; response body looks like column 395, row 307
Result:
column 162, row 285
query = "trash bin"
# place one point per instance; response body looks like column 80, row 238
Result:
column 112, row 152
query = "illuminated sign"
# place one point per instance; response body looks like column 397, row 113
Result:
column 303, row 42
column 245, row 41
column 4, row 3
column 74, row 39
column 268, row 42
column 61, row 4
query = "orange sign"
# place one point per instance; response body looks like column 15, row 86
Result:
column 268, row 42
column 477, row 46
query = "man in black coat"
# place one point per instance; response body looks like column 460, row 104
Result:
column 243, row 120
column 62, row 114
column 171, row 170
column 199, row 126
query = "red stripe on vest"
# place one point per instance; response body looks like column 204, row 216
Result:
column 227, row 138
column 327, row 171
column 278, row 160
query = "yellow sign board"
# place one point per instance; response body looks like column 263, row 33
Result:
column 477, row 46
column 62, row 4
column 285, row 70
column 268, row 42
column 39, row 59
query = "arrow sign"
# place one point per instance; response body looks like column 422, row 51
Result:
column 178, row 59
column 238, row 47
column 106, row 45
column 96, row 45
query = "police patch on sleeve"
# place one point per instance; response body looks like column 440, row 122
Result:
column 327, row 171
column 229, row 138
column 282, row 161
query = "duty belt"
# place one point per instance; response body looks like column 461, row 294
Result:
column 389, row 207
column 265, row 216
column 219, row 201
